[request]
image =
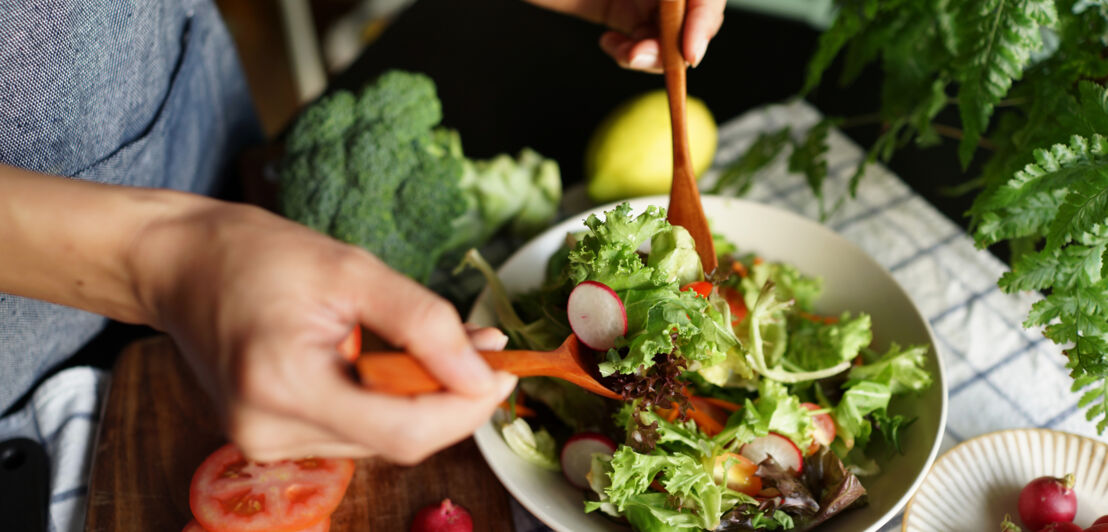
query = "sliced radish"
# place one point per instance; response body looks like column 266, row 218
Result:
column 782, row 449
column 596, row 315
column 822, row 424
column 577, row 455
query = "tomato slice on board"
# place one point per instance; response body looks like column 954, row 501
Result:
column 322, row 526
column 232, row 494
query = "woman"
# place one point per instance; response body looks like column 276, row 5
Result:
column 149, row 95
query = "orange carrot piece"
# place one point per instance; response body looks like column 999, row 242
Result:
column 726, row 405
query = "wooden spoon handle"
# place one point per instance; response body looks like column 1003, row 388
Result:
column 684, row 198
column 671, row 16
column 398, row 373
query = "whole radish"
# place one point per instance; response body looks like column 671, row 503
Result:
column 443, row 517
column 1047, row 500
column 1103, row 527
column 1102, row 520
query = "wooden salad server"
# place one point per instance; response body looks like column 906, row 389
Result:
column 399, row 373
column 684, row 198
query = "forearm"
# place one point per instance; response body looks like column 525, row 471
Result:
column 71, row 242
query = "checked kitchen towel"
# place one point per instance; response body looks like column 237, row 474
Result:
column 999, row 374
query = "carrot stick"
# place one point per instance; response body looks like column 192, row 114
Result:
column 521, row 409
column 710, row 426
column 726, row 405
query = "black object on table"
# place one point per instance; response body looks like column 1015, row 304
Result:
column 24, row 471
column 512, row 75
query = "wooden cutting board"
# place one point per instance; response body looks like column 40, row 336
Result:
column 157, row 426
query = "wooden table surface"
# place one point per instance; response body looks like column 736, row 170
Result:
column 157, row 427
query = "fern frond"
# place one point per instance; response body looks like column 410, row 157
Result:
column 1073, row 266
column 1029, row 202
column 1085, row 208
column 809, row 156
column 738, row 176
column 1095, row 399
column 996, row 38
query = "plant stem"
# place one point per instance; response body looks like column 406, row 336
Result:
column 955, row 133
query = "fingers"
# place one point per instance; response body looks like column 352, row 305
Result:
column 404, row 429
column 410, row 317
column 635, row 54
column 703, row 19
column 486, row 338
column 267, row 436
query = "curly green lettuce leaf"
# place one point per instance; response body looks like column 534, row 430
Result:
column 608, row 252
column 673, row 256
column 901, row 370
column 852, row 427
column 681, row 475
column 813, row 345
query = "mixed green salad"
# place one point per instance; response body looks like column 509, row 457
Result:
column 742, row 409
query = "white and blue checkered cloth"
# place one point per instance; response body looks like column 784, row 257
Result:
column 1000, row 375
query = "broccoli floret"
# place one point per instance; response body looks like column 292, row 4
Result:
column 374, row 170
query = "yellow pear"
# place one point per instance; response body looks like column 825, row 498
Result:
column 631, row 151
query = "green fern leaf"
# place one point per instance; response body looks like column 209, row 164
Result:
column 997, row 38
column 1085, row 209
column 847, row 24
column 810, row 158
column 1094, row 107
column 1095, row 399
column 1072, row 266
column 738, row 176
column 1030, row 201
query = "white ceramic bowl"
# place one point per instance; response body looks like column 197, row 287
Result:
column 852, row 281
column 973, row 485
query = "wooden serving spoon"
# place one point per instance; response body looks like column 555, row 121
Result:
column 399, row 373
column 684, row 198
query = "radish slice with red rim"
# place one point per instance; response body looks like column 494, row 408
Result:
column 782, row 449
column 577, row 455
column 596, row 315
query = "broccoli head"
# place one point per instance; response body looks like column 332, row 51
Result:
column 374, row 170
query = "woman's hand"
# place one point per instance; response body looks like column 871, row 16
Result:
column 632, row 39
column 259, row 304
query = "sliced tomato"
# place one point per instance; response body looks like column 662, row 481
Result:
column 351, row 346
column 702, row 288
column 823, row 426
column 232, row 494
column 322, row 526
column 736, row 303
column 740, row 474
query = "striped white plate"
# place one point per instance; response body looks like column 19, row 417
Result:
column 973, row 485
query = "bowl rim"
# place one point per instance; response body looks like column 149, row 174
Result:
column 987, row 436
column 663, row 200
